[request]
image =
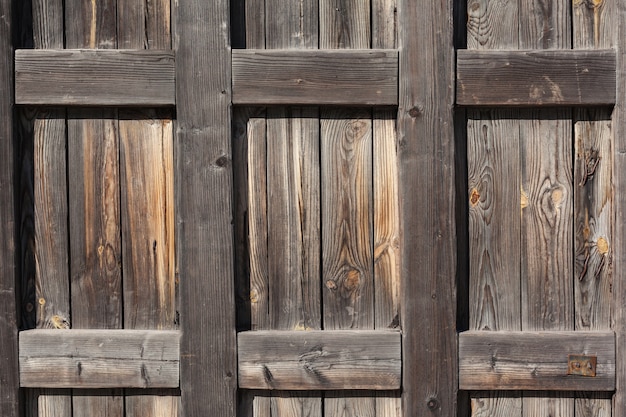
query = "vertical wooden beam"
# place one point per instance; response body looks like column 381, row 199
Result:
column 51, row 211
column 619, row 228
column 9, row 376
column 426, row 143
column 203, row 171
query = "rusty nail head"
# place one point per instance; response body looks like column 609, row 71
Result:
column 583, row 365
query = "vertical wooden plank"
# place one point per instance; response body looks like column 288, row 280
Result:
column 593, row 27
column 494, row 201
column 293, row 195
column 619, row 226
column 147, row 197
column 52, row 275
column 386, row 205
column 347, row 201
column 9, row 376
column 203, row 177
column 546, row 143
column 93, row 172
column 547, row 241
column 426, row 143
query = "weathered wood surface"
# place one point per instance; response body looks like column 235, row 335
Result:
column 9, row 377
column 147, row 203
column 593, row 27
column 619, row 228
column 94, row 202
column 329, row 77
column 535, row 78
column 95, row 77
column 55, row 358
column 347, row 201
column 323, row 359
column 493, row 198
column 534, row 360
column 52, row 298
column 203, row 187
column 426, row 143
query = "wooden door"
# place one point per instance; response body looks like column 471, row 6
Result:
column 541, row 208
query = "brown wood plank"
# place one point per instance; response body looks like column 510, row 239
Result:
column 9, row 377
column 93, row 181
column 99, row 358
column 593, row 27
column 353, row 78
column 494, row 168
column 426, row 143
column 347, row 201
column 322, row 359
column 147, row 191
column 51, row 211
column 116, row 78
column 293, row 199
column 536, row 77
column 203, row 175
column 534, row 360
column 619, row 227
column 547, row 177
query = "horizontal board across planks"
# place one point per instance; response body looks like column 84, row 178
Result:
column 80, row 77
column 320, row 360
column 99, row 358
column 315, row 77
column 536, row 77
column 535, row 361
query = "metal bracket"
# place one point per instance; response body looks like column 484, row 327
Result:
column 583, row 365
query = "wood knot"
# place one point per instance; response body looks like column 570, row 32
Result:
column 415, row 111
column 353, row 280
column 330, row 284
column 603, row 246
column 474, row 197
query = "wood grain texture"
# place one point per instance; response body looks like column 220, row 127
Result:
column 52, row 276
column 534, row 360
column 593, row 27
column 619, row 228
column 203, row 163
column 302, row 77
column 9, row 376
column 95, row 78
column 428, row 245
column 322, row 359
column 536, row 78
column 99, row 358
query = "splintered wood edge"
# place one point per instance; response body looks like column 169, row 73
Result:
column 99, row 358
column 320, row 360
column 536, row 78
column 538, row 361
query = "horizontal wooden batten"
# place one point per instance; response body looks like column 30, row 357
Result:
column 320, row 360
column 535, row 361
column 315, row 77
column 99, row 358
column 80, row 77
column 536, row 77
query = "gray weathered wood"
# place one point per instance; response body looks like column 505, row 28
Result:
column 95, row 77
column 339, row 359
column 99, row 358
column 534, row 360
column 536, row 77
column 428, row 243
column 619, row 227
column 204, row 243
column 9, row 378
column 299, row 77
